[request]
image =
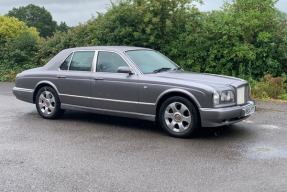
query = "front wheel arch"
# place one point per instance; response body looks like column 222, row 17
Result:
column 178, row 117
column 173, row 94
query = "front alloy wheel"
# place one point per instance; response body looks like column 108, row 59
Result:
column 178, row 117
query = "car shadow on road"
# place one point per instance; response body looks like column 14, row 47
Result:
column 112, row 121
column 233, row 131
column 225, row 132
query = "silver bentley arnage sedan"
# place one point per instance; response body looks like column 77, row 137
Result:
column 137, row 83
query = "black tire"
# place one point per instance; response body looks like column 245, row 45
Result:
column 48, row 103
column 178, row 117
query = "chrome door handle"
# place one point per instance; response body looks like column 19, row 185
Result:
column 61, row 76
column 98, row 78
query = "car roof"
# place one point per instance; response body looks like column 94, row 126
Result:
column 108, row 48
column 61, row 56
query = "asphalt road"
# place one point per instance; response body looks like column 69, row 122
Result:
column 89, row 152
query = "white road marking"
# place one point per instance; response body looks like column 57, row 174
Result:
column 270, row 127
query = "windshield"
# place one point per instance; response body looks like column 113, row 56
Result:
column 149, row 61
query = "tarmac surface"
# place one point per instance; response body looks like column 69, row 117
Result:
column 89, row 152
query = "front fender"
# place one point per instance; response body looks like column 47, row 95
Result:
column 182, row 91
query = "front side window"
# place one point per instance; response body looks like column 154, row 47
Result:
column 82, row 61
column 109, row 62
column 65, row 64
column 150, row 61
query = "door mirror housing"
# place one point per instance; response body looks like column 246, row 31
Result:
column 125, row 69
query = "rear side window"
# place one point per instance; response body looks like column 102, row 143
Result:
column 65, row 64
column 109, row 62
column 82, row 61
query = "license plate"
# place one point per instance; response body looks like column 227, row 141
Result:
column 249, row 109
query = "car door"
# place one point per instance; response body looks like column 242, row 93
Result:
column 74, row 79
column 110, row 90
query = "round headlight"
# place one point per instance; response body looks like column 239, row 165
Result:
column 227, row 96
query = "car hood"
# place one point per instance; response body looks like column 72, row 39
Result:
column 212, row 80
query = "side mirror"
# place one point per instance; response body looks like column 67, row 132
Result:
column 125, row 69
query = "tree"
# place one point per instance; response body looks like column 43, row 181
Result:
column 245, row 39
column 35, row 16
column 75, row 37
column 63, row 27
column 18, row 47
column 12, row 28
column 154, row 23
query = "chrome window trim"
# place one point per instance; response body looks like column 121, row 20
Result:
column 134, row 72
column 82, row 51
column 95, row 61
column 71, row 61
column 104, row 99
column 133, row 61
column 73, row 52
column 147, row 50
column 168, row 58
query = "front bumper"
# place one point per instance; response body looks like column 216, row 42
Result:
column 215, row 117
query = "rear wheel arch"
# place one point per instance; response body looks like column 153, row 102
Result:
column 43, row 84
column 48, row 103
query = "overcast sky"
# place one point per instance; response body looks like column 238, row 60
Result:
column 74, row 12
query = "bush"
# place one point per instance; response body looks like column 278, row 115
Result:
column 18, row 47
column 8, row 74
column 283, row 96
column 246, row 38
column 269, row 87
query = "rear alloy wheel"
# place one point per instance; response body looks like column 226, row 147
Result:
column 178, row 117
column 48, row 103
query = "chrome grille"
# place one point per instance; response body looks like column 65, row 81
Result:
column 243, row 93
column 247, row 93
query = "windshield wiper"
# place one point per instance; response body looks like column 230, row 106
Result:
column 178, row 68
column 161, row 69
